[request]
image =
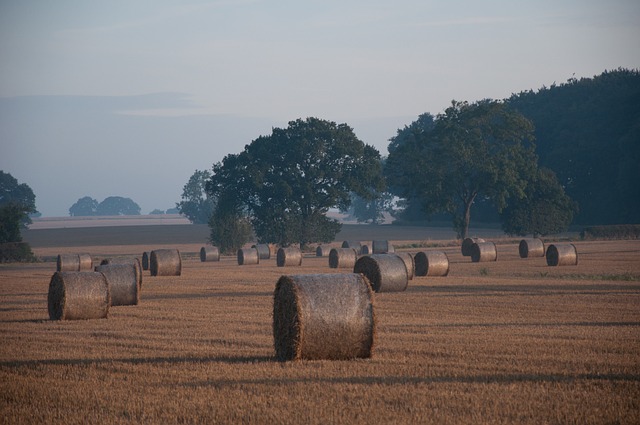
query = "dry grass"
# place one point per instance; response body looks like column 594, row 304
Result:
column 520, row 343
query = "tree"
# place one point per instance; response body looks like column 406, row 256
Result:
column 229, row 228
column 117, row 205
column 85, row 206
column 17, row 201
column 372, row 210
column 544, row 210
column 156, row 212
column 482, row 149
column 196, row 205
column 287, row 181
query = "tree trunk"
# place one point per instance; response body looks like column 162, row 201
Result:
column 466, row 218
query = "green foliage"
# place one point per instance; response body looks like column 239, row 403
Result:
column 473, row 150
column 620, row 231
column 117, row 205
column 156, row 212
column 196, row 205
column 288, row 181
column 17, row 201
column 230, row 230
column 370, row 210
column 16, row 252
column 85, row 206
column 544, row 210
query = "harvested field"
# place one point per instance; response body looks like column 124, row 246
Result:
column 511, row 341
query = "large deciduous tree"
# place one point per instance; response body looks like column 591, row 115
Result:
column 287, row 181
column 474, row 150
column 117, row 205
column 196, row 205
column 85, row 206
column 17, row 201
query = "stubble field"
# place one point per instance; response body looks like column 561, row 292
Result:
column 512, row 341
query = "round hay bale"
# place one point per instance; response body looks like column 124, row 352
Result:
column 86, row 262
column 323, row 317
column 134, row 261
column 365, row 249
column 342, row 258
column 68, row 263
column 385, row 272
column 248, row 256
column 562, row 255
column 78, row 296
column 380, row 247
column 357, row 245
column 123, row 283
column 209, row 253
column 484, row 251
column 290, row 256
column 431, row 263
column 145, row 260
column 323, row 250
column 467, row 244
column 531, row 248
column 165, row 262
column 264, row 250
column 408, row 262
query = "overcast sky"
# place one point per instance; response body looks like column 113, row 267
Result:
column 129, row 98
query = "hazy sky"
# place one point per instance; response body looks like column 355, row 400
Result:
column 129, row 98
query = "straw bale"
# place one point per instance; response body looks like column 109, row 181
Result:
column 365, row 249
column 145, row 260
column 86, row 262
column 385, row 272
column 484, row 251
column 74, row 262
column 342, row 258
column 380, row 247
column 357, row 245
column 533, row 247
column 431, row 263
column 264, row 250
column 290, row 256
column 562, row 255
column 78, row 295
column 323, row 317
column 323, row 250
column 408, row 262
column 123, row 282
column 209, row 253
column 248, row 256
column 165, row 262
column 134, row 261
column 467, row 244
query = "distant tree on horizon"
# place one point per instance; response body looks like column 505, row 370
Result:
column 85, row 206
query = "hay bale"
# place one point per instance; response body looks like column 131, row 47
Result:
column 365, row 249
column 484, row 251
column 323, row 250
column 165, row 262
column 248, row 256
column 209, row 253
column 357, row 245
column 380, row 247
column 124, row 285
column 134, row 261
column 264, row 250
column 78, row 296
column 562, row 255
column 342, row 258
column 408, row 262
column 531, row 248
column 431, row 263
column 385, row 272
column 467, row 245
column 145, row 260
column 290, row 256
column 74, row 262
column 323, row 317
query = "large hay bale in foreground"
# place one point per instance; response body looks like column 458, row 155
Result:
column 562, row 255
column 145, row 260
column 484, row 251
column 165, row 262
column 431, row 263
column 123, row 283
column 78, row 296
column 342, row 258
column 380, row 247
column 209, row 253
column 133, row 261
column 467, row 245
column 385, row 272
column 290, row 256
column 248, row 256
column 357, row 245
column 74, row 262
column 323, row 250
column 408, row 262
column 323, row 317
column 264, row 250
column 533, row 247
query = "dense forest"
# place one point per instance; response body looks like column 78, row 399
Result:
column 588, row 132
